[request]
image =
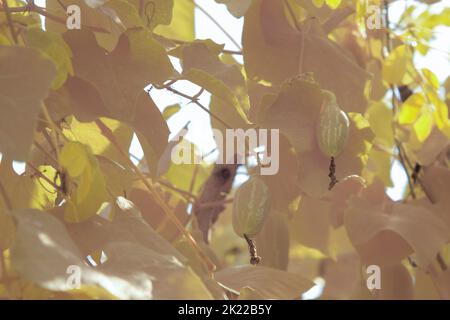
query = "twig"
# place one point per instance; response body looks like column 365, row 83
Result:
column 107, row 133
column 213, row 204
column 254, row 258
column 441, row 262
column 185, row 193
column 394, row 104
column 181, row 42
column 49, row 156
column 331, row 174
column 193, row 100
column 54, row 128
column 193, row 179
column 50, row 182
column 9, row 20
column 402, row 161
column 217, row 24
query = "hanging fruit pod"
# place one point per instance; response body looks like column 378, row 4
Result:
column 250, row 207
column 333, row 126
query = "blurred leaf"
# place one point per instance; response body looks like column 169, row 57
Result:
column 397, row 65
column 268, row 283
column 43, row 252
column 268, row 39
column 54, row 47
column 384, row 232
column 396, row 283
column 273, row 242
column 21, row 95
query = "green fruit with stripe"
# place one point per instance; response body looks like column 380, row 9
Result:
column 332, row 127
column 251, row 206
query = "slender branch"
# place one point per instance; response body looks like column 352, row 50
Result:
column 9, row 20
column 188, row 194
column 217, row 24
column 394, row 104
column 107, row 133
column 254, row 258
column 54, row 128
column 42, row 176
column 402, row 161
column 213, row 204
column 193, row 179
column 232, row 52
column 194, row 100
column 181, row 42
column 45, row 152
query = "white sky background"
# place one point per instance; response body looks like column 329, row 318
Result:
column 437, row 60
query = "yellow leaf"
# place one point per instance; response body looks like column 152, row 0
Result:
column 311, row 224
column 384, row 232
column 379, row 115
column 333, row 4
column 396, row 66
column 411, row 108
column 423, row 126
column 182, row 24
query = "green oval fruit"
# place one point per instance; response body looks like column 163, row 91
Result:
column 251, row 206
column 333, row 126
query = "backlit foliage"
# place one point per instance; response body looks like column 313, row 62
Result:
column 72, row 100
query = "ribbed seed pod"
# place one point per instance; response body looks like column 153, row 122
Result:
column 250, row 207
column 332, row 127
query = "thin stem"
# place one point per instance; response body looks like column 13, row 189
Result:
column 254, row 258
column 106, row 132
column 10, row 22
column 394, row 104
column 45, row 152
column 181, row 42
column 193, row 179
column 194, row 100
column 331, row 174
column 213, row 204
column 180, row 191
column 402, row 161
column 53, row 126
column 42, row 176
column 217, row 24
